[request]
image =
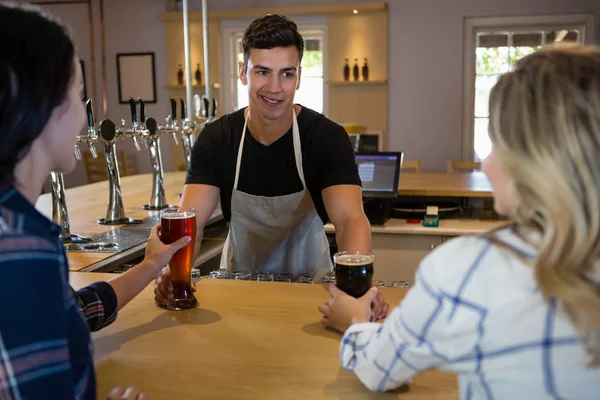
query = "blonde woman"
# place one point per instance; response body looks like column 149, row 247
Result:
column 515, row 313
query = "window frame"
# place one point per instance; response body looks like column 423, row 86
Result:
column 231, row 29
column 472, row 26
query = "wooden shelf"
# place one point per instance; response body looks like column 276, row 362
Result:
column 355, row 83
column 320, row 9
column 182, row 87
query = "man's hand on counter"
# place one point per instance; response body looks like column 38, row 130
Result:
column 379, row 308
column 341, row 311
column 163, row 287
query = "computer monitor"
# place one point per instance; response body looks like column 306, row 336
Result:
column 379, row 173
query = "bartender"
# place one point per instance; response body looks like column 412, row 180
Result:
column 280, row 170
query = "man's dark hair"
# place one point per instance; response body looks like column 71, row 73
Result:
column 36, row 70
column 271, row 31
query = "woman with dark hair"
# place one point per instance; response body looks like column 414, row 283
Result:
column 45, row 343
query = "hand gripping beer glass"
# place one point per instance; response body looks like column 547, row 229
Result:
column 353, row 272
column 175, row 223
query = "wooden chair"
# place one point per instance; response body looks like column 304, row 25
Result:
column 95, row 168
column 131, row 164
column 463, row 166
column 411, row 165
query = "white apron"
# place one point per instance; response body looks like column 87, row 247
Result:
column 282, row 234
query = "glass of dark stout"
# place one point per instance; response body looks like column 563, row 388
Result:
column 353, row 272
column 175, row 223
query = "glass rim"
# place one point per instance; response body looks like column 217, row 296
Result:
column 186, row 211
column 354, row 253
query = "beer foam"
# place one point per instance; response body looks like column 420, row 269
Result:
column 178, row 215
column 353, row 259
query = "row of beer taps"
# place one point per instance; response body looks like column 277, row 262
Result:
column 143, row 130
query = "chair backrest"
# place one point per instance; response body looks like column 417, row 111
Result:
column 463, row 166
column 95, row 168
column 131, row 164
column 413, row 165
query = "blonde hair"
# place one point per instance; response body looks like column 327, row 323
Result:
column 545, row 130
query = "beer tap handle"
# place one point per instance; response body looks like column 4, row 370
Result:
column 173, row 112
column 214, row 108
column 77, row 151
column 205, row 112
column 90, row 118
column 152, row 126
column 92, row 147
column 132, row 106
column 174, row 134
column 197, row 106
column 142, row 114
column 107, row 130
column 182, row 109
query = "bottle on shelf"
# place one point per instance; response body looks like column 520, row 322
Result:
column 365, row 71
column 346, row 71
column 180, row 74
column 355, row 69
column 197, row 75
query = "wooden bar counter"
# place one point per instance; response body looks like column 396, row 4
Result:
column 445, row 184
column 246, row 340
column 87, row 203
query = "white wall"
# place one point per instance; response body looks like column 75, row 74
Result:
column 425, row 62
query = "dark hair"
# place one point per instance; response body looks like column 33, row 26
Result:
column 271, row 31
column 36, row 68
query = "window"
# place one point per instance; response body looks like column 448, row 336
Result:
column 496, row 50
column 314, row 66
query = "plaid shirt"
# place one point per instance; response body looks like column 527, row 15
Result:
column 475, row 310
column 45, row 343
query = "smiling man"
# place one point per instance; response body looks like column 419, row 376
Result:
column 281, row 170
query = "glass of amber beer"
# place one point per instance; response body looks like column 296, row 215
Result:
column 175, row 223
column 353, row 272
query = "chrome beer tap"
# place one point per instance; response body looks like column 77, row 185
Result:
column 171, row 127
column 190, row 128
column 151, row 138
column 209, row 109
column 108, row 134
column 138, row 130
column 60, row 215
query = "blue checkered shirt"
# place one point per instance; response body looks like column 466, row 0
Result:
column 475, row 310
column 45, row 345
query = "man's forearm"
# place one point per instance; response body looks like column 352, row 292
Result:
column 354, row 235
column 198, row 243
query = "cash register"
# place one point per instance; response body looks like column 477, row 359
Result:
column 380, row 176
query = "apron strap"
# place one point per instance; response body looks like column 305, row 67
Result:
column 239, row 155
column 297, row 150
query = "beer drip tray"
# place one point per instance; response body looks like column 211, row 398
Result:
column 128, row 236
column 117, row 240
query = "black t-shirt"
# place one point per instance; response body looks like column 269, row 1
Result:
column 327, row 159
